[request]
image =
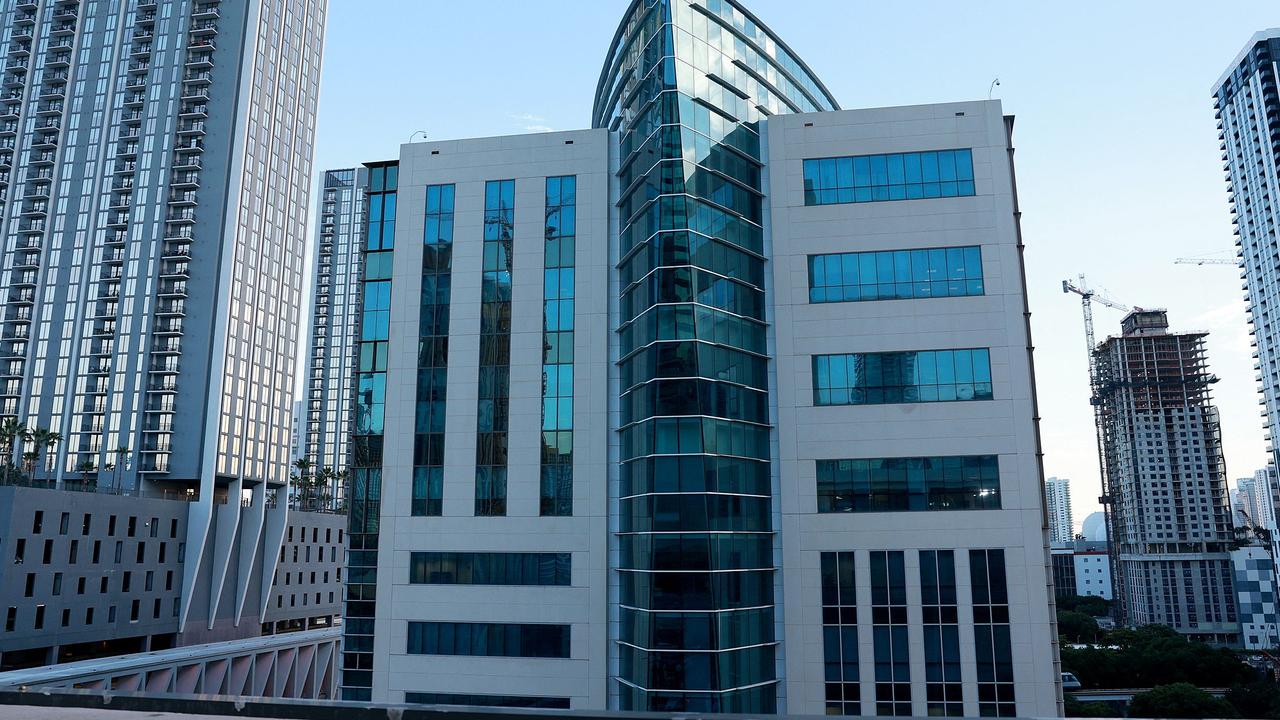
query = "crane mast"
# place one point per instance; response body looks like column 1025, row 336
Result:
column 1087, row 298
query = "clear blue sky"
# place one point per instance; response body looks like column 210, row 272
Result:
column 1118, row 164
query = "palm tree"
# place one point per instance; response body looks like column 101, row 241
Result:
column 51, row 441
column 29, row 465
column 87, row 468
column 122, row 459
column 11, row 430
column 301, row 479
column 42, row 439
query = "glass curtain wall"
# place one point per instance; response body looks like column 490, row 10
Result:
column 685, row 86
column 366, row 447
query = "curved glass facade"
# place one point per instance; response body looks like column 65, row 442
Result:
column 685, row 85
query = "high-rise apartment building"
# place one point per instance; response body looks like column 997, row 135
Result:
column 1167, row 479
column 633, row 373
column 1057, row 497
column 1247, row 102
column 155, row 169
column 335, row 315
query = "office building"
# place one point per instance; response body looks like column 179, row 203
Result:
column 701, row 381
column 335, row 313
column 1057, row 496
column 1083, row 568
column 1247, row 106
column 1170, row 514
column 155, row 164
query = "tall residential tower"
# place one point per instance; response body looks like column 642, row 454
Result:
column 1171, row 517
column 335, row 315
column 1247, row 101
column 155, row 169
column 1057, row 494
column 697, row 386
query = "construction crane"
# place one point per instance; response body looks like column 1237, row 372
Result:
column 1087, row 298
column 1205, row 261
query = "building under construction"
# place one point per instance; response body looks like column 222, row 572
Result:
column 1170, row 517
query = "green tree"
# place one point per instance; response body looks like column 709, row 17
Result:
column 1179, row 700
column 1087, row 604
column 1154, row 655
column 1259, row 699
column 302, row 480
column 1077, row 626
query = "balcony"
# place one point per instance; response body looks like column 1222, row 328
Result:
column 204, row 28
column 198, row 78
column 173, row 289
column 206, row 12
column 176, row 250
column 116, row 237
column 46, row 141
column 34, row 226
column 63, row 28
column 50, row 108
column 169, row 346
column 38, row 190
column 141, row 51
column 186, row 161
column 191, row 128
column 20, row 49
column 185, row 180
column 178, row 270
column 165, row 365
column 192, row 145
column 182, row 198
column 172, row 307
column 186, row 217
column 60, row 60
column 131, row 117
column 118, row 220
column 104, row 329
column 194, row 110
column 135, row 99
column 9, row 111
column 164, row 384
column 48, row 93
column 169, row 326
column 36, row 209
column 198, row 60
column 194, row 92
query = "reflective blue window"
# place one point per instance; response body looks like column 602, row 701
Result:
column 889, row 632
column 909, row 484
column 516, row 701
column 494, row 402
column 463, row 568
column 997, row 696
column 896, row 274
column 556, row 492
column 488, row 639
column 899, row 176
column 902, row 377
column 944, row 692
column 433, row 352
column 840, row 635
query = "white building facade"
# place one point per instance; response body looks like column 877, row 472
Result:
column 697, row 391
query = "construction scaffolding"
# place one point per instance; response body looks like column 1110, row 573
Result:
column 1164, row 468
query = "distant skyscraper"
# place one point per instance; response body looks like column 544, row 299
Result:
column 1251, row 501
column 1247, row 100
column 155, row 165
column 335, row 315
column 701, row 381
column 1163, row 451
column 1057, row 493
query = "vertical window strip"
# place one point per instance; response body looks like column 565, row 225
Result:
column 996, row 694
column 840, row 635
column 556, row 494
column 433, row 352
column 889, row 631
column 495, row 349
column 944, row 692
column 365, row 502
